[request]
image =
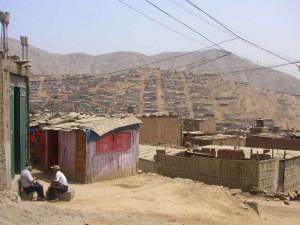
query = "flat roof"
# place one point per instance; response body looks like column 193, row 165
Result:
column 148, row 151
column 278, row 153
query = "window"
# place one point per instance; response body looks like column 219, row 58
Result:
column 116, row 142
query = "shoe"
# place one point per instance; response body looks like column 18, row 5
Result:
column 41, row 199
column 54, row 200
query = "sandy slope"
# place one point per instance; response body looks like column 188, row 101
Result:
column 144, row 199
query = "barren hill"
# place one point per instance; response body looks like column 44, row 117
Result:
column 79, row 63
column 153, row 90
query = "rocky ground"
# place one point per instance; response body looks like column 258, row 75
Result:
column 149, row 199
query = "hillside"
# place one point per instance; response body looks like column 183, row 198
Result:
column 152, row 90
column 79, row 63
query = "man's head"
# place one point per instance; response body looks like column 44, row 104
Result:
column 55, row 168
column 29, row 166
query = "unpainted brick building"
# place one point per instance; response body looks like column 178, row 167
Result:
column 207, row 125
column 158, row 129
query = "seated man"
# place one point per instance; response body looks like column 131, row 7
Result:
column 30, row 184
column 58, row 184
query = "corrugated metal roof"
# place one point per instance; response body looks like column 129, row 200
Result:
column 100, row 125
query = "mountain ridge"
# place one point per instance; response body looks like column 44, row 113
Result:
column 229, row 67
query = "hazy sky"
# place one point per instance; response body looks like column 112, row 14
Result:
column 104, row 26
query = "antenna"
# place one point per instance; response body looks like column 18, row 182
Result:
column 4, row 19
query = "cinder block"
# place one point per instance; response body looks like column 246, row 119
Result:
column 66, row 196
column 27, row 197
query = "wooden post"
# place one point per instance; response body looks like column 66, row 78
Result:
column 284, row 155
column 272, row 153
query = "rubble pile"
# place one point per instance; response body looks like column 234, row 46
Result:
column 293, row 195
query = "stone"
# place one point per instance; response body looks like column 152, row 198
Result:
column 253, row 205
column 282, row 197
column 140, row 171
column 286, row 202
column 269, row 195
column 27, row 197
column 292, row 195
column 276, row 199
column 66, row 196
column 235, row 191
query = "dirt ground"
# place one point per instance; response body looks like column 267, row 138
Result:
column 148, row 199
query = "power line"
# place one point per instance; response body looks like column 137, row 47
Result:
column 243, row 39
column 204, row 62
column 261, row 68
column 147, row 64
column 185, row 25
column 258, row 68
column 201, row 63
column 156, row 21
column 199, row 17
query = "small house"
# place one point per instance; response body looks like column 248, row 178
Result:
column 90, row 148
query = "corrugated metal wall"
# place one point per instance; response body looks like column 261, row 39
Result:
column 112, row 165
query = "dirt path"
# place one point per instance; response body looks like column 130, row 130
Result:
column 145, row 199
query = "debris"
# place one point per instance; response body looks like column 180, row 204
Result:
column 235, row 191
column 286, row 202
column 253, row 205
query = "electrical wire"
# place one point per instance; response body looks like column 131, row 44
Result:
column 189, row 27
column 147, row 64
column 199, row 17
column 243, row 39
column 156, row 21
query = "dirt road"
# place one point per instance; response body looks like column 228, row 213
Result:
column 145, row 199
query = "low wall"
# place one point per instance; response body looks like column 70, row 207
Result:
column 148, row 166
column 291, row 174
column 241, row 174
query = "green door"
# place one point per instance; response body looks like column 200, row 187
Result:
column 23, row 126
column 18, row 122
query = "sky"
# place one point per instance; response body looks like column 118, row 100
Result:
column 104, row 26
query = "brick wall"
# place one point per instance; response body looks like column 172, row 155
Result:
column 231, row 141
column 270, row 143
column 157, row 130
column 257, row 130
column 205, row 125
column 3, row 177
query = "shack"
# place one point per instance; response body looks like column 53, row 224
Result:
column 90, row 148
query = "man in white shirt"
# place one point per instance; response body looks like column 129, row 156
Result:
column 58, row 184
column 30, row 184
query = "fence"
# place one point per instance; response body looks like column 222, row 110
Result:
column 291, row 173
column 242, row 174
column 148, row 166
